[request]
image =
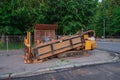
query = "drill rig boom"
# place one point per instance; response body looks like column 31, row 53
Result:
column 83, row 41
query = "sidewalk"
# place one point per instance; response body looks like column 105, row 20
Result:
column 108, row 40
column 14, row 65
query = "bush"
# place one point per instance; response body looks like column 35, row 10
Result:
column 1, row 44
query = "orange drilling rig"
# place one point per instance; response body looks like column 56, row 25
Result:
column 82, row 41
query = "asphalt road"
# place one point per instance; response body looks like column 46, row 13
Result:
column 96, row 72
column 112, row 46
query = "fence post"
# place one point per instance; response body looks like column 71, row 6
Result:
column 7, row 43
column 21, row 41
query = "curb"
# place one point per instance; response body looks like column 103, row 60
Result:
column 115, row 59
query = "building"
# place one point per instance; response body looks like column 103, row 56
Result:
column 42, row 31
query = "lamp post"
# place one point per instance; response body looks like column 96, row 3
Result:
column 104, row 21
column 104, row 27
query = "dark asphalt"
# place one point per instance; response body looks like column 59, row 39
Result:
column 112, row 46
column 96, row 72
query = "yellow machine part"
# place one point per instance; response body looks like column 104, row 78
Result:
column 88, row 45
column 93, row 44
column 85, row 36
column 27, row 40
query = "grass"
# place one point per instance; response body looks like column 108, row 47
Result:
column 11, row 46
column 63, row 60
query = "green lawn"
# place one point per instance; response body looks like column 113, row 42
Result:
column 11, row 46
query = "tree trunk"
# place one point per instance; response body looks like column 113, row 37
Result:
column 3, row 38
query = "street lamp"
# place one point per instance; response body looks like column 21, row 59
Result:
column 104, row 21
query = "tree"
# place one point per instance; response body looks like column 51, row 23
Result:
column 115, row 25
column 5, row 18
column 17, row 16
column 71, row 15
column 108, row 10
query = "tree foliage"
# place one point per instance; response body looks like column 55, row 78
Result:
column 108, row 10
column 18, row 16
column 71, row 15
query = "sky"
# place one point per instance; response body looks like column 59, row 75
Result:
column 100, row 0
